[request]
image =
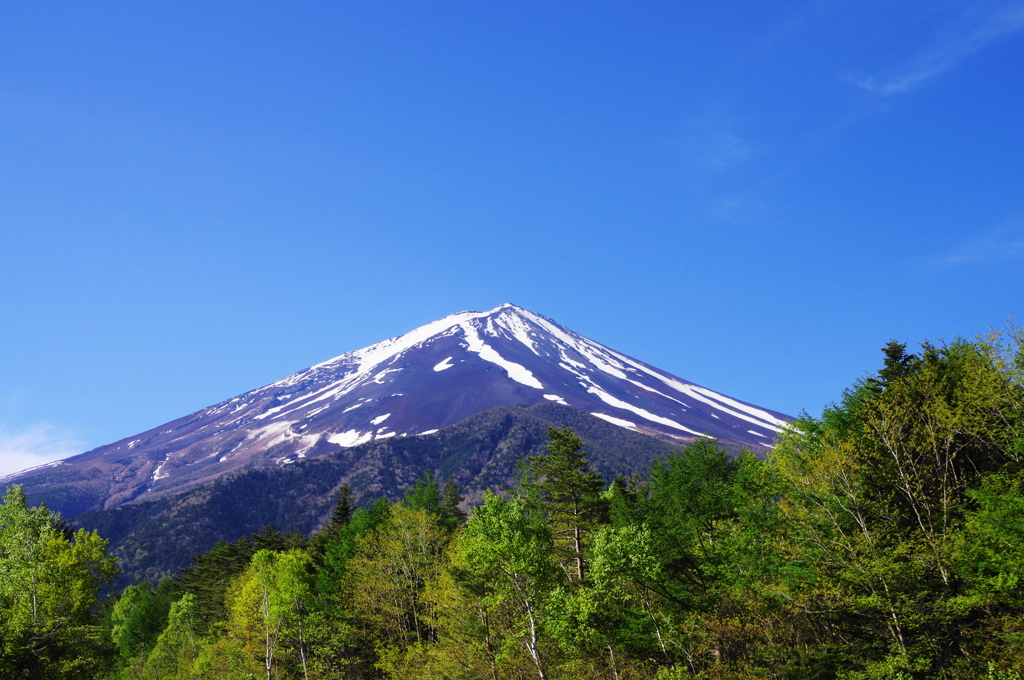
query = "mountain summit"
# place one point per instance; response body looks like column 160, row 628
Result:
column 415, row 384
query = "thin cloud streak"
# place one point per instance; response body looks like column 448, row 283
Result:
column 1002, row 244
column 968, row 38
column 36, row 445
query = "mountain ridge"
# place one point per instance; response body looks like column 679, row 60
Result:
column 153, row 538
column 413, row 384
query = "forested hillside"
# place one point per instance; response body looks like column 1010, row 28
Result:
column 883, row 539
column 154, row 539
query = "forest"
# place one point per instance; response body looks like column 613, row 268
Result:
column 881, row 539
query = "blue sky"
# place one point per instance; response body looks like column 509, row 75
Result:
column 197, row 199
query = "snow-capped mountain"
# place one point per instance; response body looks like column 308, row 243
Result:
column 427, row 379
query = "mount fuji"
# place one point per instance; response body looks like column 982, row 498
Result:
column 413, row 385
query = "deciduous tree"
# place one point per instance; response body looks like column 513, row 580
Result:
column 50, row 584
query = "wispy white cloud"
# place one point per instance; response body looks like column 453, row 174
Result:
column 1002, row 244
column 975, row 31
column 711, row 148
column 34, row 445
column 724, row 150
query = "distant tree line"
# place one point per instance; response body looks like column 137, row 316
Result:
column 884, row 539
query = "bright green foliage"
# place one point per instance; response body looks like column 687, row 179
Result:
column 622, row 616
column 177, row 648
column 991, row 558
column 388, row 575
column 212, row 572
column 994, row 538
column 503, row 560
column 223, row 657
column 884, row 539
column 50, row 583
column 138, row 617
column 880, row 492
column 268, row 606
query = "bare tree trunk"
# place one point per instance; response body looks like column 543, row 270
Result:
column 488, row 648
column 657, row 629
column 615, row 670
column 578, row 547
column 532, row 644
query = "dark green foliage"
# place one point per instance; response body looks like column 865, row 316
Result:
column 882, row 540
column 424, row 494
column 626, row 498
column 154, row 539
column 441, row 503
column 67, row 488
column 561, row 486
column 344, row 508
column 340, row 517
column 341, row 547
column 211, row 572
column 692, row 505
column 897, row 362
column 452, row 515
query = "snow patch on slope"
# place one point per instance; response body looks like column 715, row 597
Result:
column 515, row 371
column 717, row 401
column 615, row 421
column 588, row 350
column 350, row 438
column 363, row 363
column 646, row 415
column 519, row 330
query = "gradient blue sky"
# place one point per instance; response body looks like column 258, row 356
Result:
column 197, row 198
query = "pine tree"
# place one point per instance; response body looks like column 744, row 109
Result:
column 561, row 484
column 897, row 362
column 424, row 494
column 343, row 508
column 452, row 516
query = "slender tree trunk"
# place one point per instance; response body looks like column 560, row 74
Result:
column 657, row 629
column 302, row 651
column 488, row 648
column 532, row 644
column 611, row 656
column 578, row 547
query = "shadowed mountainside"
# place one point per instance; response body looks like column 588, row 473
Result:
column 155, row 538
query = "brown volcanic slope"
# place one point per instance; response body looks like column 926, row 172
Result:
column 430, row 378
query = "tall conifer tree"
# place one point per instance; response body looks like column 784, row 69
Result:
column 561, row 484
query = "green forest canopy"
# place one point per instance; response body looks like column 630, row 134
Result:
column 883, row 539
